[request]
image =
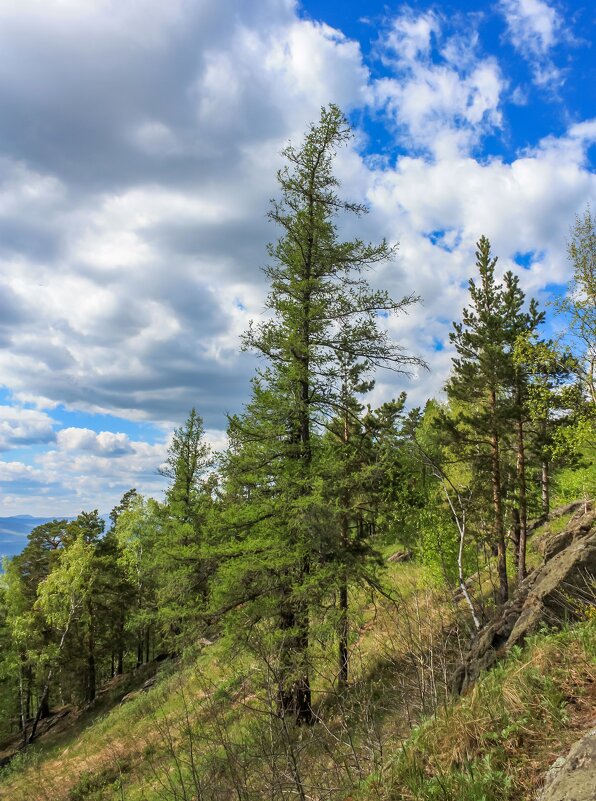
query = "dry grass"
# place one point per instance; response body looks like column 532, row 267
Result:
column 504, row 734
column 216, row 720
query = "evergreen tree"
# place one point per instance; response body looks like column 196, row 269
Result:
column 318, row 293
column 185, row 528
column 126, row 502
column 519, row 324
column 138, row 532
column 62, row 597
column 479, row 382
column 189, row 457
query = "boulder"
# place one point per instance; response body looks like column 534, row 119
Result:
column 578, row 526
column 559, row 512
column 573, row 777
column 559, row 588
column 553, row 593
column 405, row 555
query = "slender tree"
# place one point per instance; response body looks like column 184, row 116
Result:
column 519, row 324
column 579, row 304
column 479, row 382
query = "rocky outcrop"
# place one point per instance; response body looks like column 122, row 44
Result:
column 405, row 555
column 561, row 511
column 573, row 777
column 555, row 592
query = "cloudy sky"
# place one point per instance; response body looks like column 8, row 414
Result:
column 139, row 141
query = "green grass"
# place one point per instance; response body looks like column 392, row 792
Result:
column 492, row 745
column 495, row 743
column 209, row 717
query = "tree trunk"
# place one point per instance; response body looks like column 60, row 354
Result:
column 46, row 688
column 544, row 486
column 343, row 589
column 343, row 632
column 515, row 535
column 22, row 705
column 503, row 592
column 45, row 707
column 286, row 682
column 28, row 688
column 91, row 677
column 120, row 651
column 523, row 506
column 294, row 685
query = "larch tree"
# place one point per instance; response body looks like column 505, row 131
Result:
column 520, row 324
column 183, row 588
column 318, row 292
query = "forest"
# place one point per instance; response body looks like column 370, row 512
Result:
column 279, row 553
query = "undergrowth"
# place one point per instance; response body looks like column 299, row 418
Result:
column 495, row 743
column 209, row 731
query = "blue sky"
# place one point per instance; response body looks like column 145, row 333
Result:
column 138, row 148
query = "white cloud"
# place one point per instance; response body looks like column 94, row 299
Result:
column 86, row 470
column 134, row 272
column 439, row 208
column 133, row 224
column 444, row 97
column 533, row 24
column 104, row 443
column 21, row 427
column 11, row 471
column 535, row 27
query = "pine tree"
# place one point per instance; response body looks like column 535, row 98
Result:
column 189, row 457
column 579, row 305
column 479, row 382
column 519, row 324
column 185, row 527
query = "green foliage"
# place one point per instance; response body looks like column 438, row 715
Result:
column 93, row 784
column 271, row 547
column 480, row 748
column 300, row 459
column 578, row 307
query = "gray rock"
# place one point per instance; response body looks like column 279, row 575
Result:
column 573, row 778
column 551, row 594
column 578, row 526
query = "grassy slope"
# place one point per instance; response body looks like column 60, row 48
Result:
column 207, row 728
column 494, row 744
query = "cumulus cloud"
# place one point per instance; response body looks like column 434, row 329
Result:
column 438, row 208
column 86, row 469
column 137, row 217
column 443, row 96
column 104, row 443
column 535, row 28
column 139, row 148
column 20, row 427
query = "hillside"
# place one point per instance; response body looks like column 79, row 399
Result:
column 292, row 619
column 206, row 727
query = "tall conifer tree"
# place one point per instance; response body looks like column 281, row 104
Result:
column 318, row 293
column 479, row 382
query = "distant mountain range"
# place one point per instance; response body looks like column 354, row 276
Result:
column 14, row 531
